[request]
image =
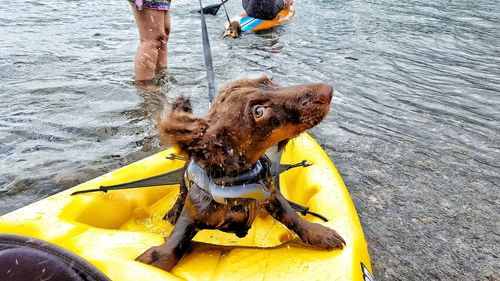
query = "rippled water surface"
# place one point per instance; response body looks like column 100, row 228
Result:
column 414, row 127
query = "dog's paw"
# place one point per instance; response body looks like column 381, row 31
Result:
column 172, row 215
column 322, row 237
column 158, row 256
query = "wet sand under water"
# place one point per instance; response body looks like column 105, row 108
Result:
column 414, row 126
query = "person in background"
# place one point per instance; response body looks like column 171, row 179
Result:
column 153, row 22
column 265, row 9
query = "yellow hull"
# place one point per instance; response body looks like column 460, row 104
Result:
column 111, row 229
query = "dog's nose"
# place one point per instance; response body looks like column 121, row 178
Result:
column 325, row 93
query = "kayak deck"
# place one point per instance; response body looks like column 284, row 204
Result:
column 111, row 229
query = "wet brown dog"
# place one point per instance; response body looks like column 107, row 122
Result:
column 248, row 117
column 233, row 30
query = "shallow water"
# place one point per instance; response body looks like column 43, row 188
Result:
column 414, row 127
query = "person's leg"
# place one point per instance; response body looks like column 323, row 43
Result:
column 161, row 63
column 150, row 24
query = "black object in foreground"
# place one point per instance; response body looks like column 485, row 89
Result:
column 25, row 258
column 212, row 9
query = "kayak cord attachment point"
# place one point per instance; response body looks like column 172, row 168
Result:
column 286, row 167
column 173, row 156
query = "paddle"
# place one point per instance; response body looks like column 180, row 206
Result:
column 212, row 9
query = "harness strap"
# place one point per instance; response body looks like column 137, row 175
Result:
column 252, row 174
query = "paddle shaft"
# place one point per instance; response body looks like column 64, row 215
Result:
column 212, row 9
column 207, row 54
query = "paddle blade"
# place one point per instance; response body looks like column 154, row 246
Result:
column 211, row 9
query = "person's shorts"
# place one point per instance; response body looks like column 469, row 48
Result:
column 159, row 5
column 263, row 9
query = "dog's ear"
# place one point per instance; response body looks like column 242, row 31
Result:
column 219, row 151
column 236, row 28
column 179, row 126
column 182, row 129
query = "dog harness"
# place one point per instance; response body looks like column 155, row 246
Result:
column 248, row 185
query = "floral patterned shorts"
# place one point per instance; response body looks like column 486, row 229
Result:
column 160, row 5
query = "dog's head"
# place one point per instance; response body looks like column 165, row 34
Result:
column 233, row 31
column 247, row 117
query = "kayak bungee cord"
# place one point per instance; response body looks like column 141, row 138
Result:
column 170, row 178
column 176, row 176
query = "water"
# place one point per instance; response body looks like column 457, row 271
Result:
column 414, row 127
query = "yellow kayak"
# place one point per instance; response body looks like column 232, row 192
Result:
column 109, row 230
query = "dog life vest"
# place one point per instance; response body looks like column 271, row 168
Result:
column 248, row 185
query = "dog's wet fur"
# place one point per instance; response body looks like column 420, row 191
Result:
column 248, row 117
column 234, row 30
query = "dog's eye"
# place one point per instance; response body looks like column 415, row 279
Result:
column 306, row 102
column 258, row 111
column 265, row 81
